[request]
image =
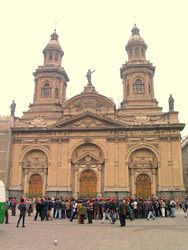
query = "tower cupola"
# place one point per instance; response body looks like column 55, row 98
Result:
column 53, row 52
column 136, row 47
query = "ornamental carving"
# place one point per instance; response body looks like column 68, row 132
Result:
column 88, row 104
column 142, row 119
column 143, row 178
column 143, row 159
column 87, row 123
column 35, row 159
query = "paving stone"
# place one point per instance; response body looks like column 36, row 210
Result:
column 161, row 233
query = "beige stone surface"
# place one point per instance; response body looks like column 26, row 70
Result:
column 87, row 132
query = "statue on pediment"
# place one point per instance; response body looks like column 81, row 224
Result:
column 171, row 103
column 88, row 75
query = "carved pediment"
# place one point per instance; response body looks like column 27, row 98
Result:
column 89, row 100
column 87, row 159
column 87, row 120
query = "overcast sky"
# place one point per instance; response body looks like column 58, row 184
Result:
column 93, row 35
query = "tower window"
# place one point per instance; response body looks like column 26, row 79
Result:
column 56, row 92
column 56, row 56
column 128, row 89
column 149, row 88
column 46, row 90
column 138, row 86
column 131, row 53
column 137, row 52
column 142, row 52
column 50, row 56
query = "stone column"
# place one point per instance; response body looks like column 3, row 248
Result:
column 99, row 181
column 44, row 181
column 154, row 174
column 76, row 168
column 133, row 184
column 26, row 188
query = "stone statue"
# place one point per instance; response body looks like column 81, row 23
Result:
column 88, row 75
column 12, row 108
column 171, row 103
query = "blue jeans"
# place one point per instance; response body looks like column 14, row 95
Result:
column 112, row 216
column 173, row 211
column 150, row 215
column 58, row 211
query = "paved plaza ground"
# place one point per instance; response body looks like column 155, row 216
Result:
column 161, row 233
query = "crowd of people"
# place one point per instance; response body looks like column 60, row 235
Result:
column 46, row 208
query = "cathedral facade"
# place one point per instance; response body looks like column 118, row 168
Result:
column 85, row 146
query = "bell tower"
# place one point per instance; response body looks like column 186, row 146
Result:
column 50, row 84
column 137, row 75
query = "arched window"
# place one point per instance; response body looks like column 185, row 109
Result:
column 142, row 52
column 56, row 92
column 50, row 56
column 56, row 56
column 136, row 52
column 149, row 88
column 46, row 90
column 128, row 89
column 131, row 53
column 138, row 86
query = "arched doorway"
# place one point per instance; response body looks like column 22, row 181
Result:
column 143, row 186
column 88, row 184
column 35, row 172
column 35, row 185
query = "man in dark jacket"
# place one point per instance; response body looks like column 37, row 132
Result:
column 122, row 212
column 38, row 208
column 96, row 208
column 22, row 208
column 112, row 210
column 44, row 209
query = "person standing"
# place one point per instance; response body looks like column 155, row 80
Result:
column 82, row 213
column 173, row 208
column 122, row 212
column 106, row 212
column 74, row 210
column 151, row 210
column 58, row 208
column 14, row 203
column 38, row 208
column 23, row 209
column 96, row 207
column 7, row 206
column 78, row 211
column 112, row 210
column 163, row 208
column 90, row 211
column 44, row 209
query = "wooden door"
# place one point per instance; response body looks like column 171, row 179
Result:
column 88, row 184
column 143, row 186
column 35, row 185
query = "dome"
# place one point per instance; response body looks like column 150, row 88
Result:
column 135, row 36
column 54, row 43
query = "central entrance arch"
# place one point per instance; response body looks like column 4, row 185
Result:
column 35, row 185
column 87, row 171
column 88, row 184
column 143, row 186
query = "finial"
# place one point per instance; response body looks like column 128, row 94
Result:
column 55, row 26
column 134, row 20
